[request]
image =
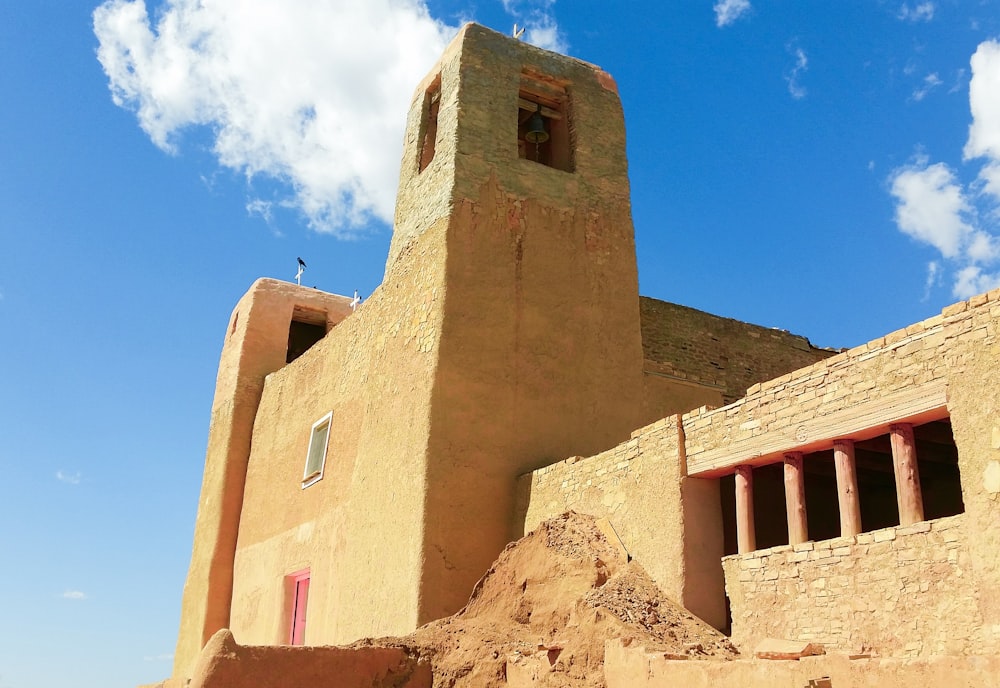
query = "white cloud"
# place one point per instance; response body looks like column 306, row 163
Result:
column 541, row 28
column 962, row 221
column 69, row 478
column 795, row 88
column 989, row 178
column 260, row 207
column 958, row 82
column 313, row 93
column 74, row 595
column 545, row 33
column 933, row 269
column 983, row 247
column 971, row 280
column 931, row 206
column 984, row 102
column 729, row 11
column 930, row 82
column 923, row 11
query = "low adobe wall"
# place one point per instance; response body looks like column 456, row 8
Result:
column 900, row 591
column 225, row 664
column 633, row 667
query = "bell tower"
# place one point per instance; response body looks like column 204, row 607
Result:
column 514, row 174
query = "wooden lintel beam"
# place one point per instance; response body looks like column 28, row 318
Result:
column 525, row 104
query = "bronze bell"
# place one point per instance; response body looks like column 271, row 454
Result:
column 536, row 133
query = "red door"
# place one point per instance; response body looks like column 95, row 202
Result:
column 300, row 599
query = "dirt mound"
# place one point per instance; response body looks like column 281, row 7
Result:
column 541, row 614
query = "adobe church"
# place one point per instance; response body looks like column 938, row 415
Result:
column 365, row 467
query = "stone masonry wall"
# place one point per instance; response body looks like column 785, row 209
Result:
column 612, row 484
column 692, row 345
column 945, row 365
column 871, row 384
column 923, row 589
column 974, row 404
column 902, row 591
column 669, row 523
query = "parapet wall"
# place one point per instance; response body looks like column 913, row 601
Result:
column 688, row 344
column 897, row 376
column 901, row 591
column 224, row 663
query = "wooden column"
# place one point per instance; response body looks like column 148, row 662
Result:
column 746, row 537
column 795, row 499
column 847, row 488
column 904, row 462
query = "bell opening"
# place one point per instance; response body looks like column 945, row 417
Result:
column 544, row 134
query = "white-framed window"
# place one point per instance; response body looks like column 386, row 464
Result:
column 319, row 438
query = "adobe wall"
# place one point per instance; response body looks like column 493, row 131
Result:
column 359, row 529
column 668, row 393
column 900, row 591
column 728, row 354
column 671, row 524
column 255, row 345
column 540, row 352
column 228, row 664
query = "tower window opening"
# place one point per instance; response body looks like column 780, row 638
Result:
column 544, row 132
column 308, row 326
column 428, row 134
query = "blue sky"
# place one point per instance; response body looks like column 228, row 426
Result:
column 830, row 168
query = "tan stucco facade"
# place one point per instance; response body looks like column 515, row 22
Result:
column 506, row 334
column 506, row 370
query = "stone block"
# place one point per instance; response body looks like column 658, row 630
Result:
column 773, row 648
column 885, row 535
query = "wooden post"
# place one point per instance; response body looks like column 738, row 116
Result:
column 746, row 537
column 795, row 499
column 847, row 488
column 904, row 462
